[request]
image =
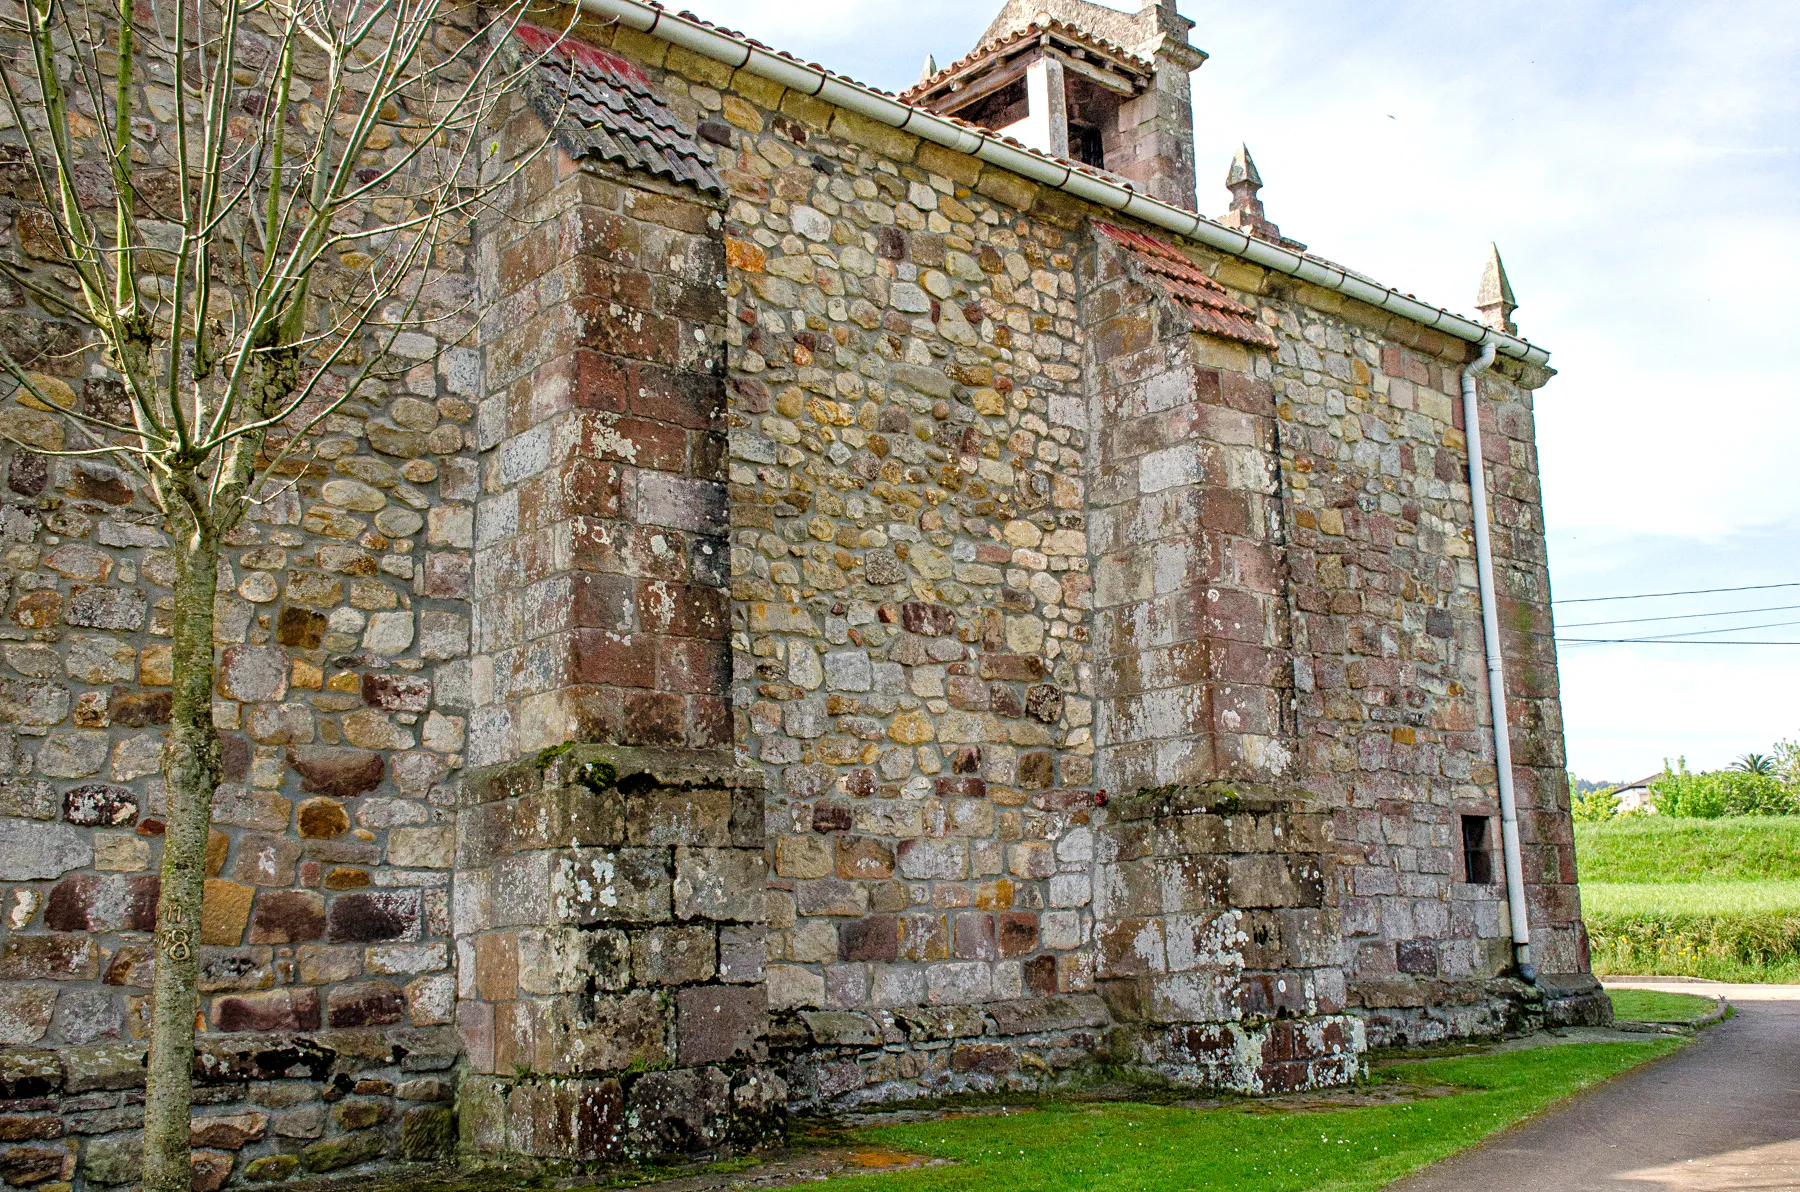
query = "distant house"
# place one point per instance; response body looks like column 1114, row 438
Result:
column 1635, row 796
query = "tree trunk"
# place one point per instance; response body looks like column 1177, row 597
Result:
column 192, row 767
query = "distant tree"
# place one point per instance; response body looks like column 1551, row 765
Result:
column 1593, row 806
column 1754, row 763
column 1787, row 762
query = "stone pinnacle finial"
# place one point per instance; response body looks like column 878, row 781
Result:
column 1494, row 301
column 1243, row 169
column 930, row 68
column 1246, row 213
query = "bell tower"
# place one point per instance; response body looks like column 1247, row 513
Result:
column 1083, row 81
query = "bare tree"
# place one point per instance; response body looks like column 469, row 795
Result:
column 250, row 200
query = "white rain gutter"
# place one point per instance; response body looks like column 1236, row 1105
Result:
column 1490, row 633
column 864, row 101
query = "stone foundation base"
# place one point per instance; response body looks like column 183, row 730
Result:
column 1500, row 1007
column 841, row 1059
column 1281, row 1056
column 629, row 1118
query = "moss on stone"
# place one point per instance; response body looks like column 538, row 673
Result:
column 333, row 1153
column 427, row 1133
column 269, row 1168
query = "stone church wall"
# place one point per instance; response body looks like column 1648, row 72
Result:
column 997, row 678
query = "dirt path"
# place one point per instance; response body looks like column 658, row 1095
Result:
column 1722, row 1115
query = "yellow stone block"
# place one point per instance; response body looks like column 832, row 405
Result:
column 764, row 93
column 56, row 389
column 912, row 728
column 224, row 912
column 742, row 114
column 156, row 666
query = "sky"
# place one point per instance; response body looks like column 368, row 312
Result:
column 1638, row 164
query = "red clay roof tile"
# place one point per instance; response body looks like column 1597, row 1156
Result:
column 1210, row 307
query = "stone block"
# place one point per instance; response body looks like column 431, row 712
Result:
column 428, row 1134
column 336, row 772
column 275, row 1010
column 680, row 1112
column 31, row 851
column 925, row 859
column 724, row 884
column 372, row 1003
column 718, row 1023
column 331, row 1154
column 568, row 816
column 803, row 857
column 610, row 885
column 105, row 1066
column 210, row 1170
column 831, row 896
column 374, row 916
column 25, row 1012
column 576, row 1119
column 60, row 957
column 271, row 1168
column 690, row 817
column 112, row 1161
column 743, row 952
column 28, row 798
column 230, row 1132
column 673, row 955
column 253, row 674
column 863, row 858
column 106, row 608
column 287, row 917
column 958, row 982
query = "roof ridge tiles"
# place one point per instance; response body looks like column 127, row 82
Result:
column 1036, row 28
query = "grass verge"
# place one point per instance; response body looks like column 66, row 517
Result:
column 1725, row 930
column 1066, row 1147
column 1653, row 1005
column 1661, row 849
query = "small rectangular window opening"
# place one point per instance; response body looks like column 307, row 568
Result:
column 1478, row 860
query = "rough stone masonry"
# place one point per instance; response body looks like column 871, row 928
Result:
column 830, row 621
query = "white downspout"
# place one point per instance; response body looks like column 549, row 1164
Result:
column 1490, row 633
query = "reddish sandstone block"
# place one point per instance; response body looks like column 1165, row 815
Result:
column 693, row 665
column 683, row 610
column 716, row 1023
column 692, row 400
column 653, row 718
column 616, row 659
column 374, row 1003
column 1018, row 933
column 872, row 938
column 275, row 1010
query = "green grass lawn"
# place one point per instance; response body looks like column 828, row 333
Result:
column 1728, row 931
column 1065, row 1147
column 1652, row 1005
column 1713, row 898
column 1743, row 899
column 1648, row 848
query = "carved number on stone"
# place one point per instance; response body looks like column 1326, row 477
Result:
column 176, row 940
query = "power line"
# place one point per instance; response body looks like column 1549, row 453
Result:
column 1690, row 592
column 1734, row 629
column 1659, row 641
column 1736, row 612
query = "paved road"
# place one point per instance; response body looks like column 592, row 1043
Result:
column 1722, row 1115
